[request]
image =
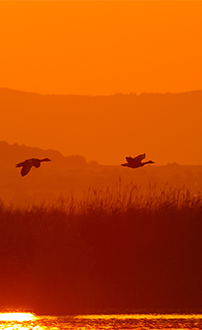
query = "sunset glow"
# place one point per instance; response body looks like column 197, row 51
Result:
column 20, row 317
column 101, row 164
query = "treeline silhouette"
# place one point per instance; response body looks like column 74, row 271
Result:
column 72, row 174
column 112, row 251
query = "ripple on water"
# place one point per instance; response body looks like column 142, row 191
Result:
column 104, row 322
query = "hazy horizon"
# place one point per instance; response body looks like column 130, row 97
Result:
column 102, row 95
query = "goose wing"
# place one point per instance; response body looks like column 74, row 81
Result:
column 139, row 158
column 136, row 159
column 129, row 159
column 26, row 168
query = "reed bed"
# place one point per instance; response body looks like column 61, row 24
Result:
column 112, row 201
column 111, row 250
column 116, row 201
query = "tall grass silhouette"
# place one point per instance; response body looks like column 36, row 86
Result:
column 109, row 251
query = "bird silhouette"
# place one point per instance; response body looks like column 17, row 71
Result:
column 28, row 163
column 136, row 161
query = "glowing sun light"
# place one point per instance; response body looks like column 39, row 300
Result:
column 20, row 317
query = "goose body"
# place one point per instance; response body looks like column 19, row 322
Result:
column 136, row 161
column 28, row 163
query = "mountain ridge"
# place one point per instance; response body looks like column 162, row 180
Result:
column 107, row 128
column 102, row 95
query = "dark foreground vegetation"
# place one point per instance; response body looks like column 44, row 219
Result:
column 110, row 252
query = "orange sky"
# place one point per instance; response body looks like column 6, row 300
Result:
column 101, row 47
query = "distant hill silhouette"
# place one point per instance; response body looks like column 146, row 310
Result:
column 10, row 154
column 107, row 128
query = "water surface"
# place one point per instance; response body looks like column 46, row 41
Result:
column 104, row 322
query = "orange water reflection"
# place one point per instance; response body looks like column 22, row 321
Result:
column 29, row 321
column 19, row 317
column 17, row 321
column 142, row 316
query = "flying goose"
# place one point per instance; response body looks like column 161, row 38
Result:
column 28, row 163
column 136, row 161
